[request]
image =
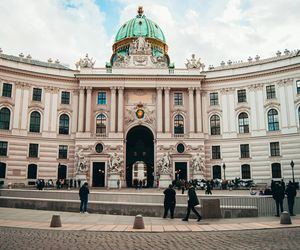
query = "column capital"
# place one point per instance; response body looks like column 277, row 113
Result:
column 120, row 88
column 89, row 88
column 113, row 90
column 159, row 89
column 167, row 89
column 81, row 88
column 198, row 89
column 191, row 89
column 75, row 91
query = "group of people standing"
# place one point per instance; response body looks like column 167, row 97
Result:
column 279, row 191
column 170, row 202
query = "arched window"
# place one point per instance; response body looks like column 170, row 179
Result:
column 178, row 124
column 32, row 171
column 215, row 125
column 35, row 122
column 2, row 170
column 216, row 172
column 4, row 118
column 101, row 124
column 246, row 174
column 243, row 123
column 64, row 124
column 276, row 170
column 273, row 122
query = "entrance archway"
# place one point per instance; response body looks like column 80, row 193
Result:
column 140, row 147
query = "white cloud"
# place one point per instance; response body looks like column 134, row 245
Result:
column 53, row 28
column 214, row 30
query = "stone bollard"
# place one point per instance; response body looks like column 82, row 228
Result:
column 138, row 222
column 285, row 218
column 55, row 221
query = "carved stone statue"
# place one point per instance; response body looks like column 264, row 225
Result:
column 115, row 162
column 81, row 162
column 85, row 62
column 193, row 63
column 164, row 164
column 197, row 163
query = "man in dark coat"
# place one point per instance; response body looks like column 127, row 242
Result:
column 192, row 202
column 291, row 194
column 170, row 201
column 83, row 194
column 278, row 196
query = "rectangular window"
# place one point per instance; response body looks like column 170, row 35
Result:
column 3, row 148
column 101, row 98
column 37, row 94
column 6, row 90
column 271, row 92
column 246, row 174
column 33, row 150
column 214, row 100
column 65, row 97
column 215, row 152
column 244, row 150
column 178, row 101
column 298, row 86
column 242, row 95
column 63, row 152
column 274, row 148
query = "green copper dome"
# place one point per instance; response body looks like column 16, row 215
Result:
column 140, row 26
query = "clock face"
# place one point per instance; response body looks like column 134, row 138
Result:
column 140, row 113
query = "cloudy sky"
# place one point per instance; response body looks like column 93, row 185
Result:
column 214, row 30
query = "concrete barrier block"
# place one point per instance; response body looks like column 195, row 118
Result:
column 285, row 218
column 55, row 221
column 211, row 208
column 138, row 222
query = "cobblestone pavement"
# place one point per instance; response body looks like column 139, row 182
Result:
column 17, row 238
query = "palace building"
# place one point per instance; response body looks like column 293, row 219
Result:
column 140, row 114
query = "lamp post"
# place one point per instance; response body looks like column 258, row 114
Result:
column 292, row 166
column 224, row 167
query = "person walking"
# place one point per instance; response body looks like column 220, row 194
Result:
column 170, row 201
column 118, row 183
column 192, row 202
column 208, row 188
column 278, row 196
column 83, row 195
column 291, row 194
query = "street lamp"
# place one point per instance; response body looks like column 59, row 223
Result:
column 292, row 166
column 224, row 167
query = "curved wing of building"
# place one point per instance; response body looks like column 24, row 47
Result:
column 141, row 121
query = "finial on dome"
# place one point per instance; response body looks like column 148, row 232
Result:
column 140, row 11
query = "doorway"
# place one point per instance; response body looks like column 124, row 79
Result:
column 181, row 171
column 98, row 174
column 140, row 147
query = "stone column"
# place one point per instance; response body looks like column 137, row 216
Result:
column 46, row 122
column 24, row 108
column 16, row 119
column 54, row 105
column 191, row 109
column 159, row 110
column 199, row 110
column 112, row 109
column 74, row 101
column 120, row 108
column 167, row 110
column 81, row 110
column 88, row 109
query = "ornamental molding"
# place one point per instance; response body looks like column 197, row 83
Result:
column 36, row 105
column 227, row 90
column 65, row 109
column 243, row 107
column 272, row 103
column 287, row 81
column 53, row 90
column 255, row 87
column 214, row 109
column 148, row 115
column 5, row 101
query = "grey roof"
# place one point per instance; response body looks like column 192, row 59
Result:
column 33, row 61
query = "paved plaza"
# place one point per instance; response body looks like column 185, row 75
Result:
column 30, row 229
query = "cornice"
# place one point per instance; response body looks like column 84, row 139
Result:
column 250, row 75
column 37, row 75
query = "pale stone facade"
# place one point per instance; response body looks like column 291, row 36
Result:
column 142, row 92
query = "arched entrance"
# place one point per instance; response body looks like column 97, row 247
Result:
column 140, row 147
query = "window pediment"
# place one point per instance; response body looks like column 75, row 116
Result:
column 243, row 107
column 272, row 103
